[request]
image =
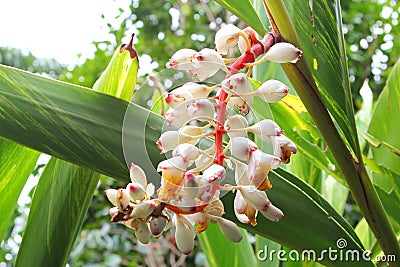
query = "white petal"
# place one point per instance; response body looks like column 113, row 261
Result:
column 137, row 175
column 197, row 90
column 202, row 109
column 168, row 141
column 206, row 63
column 272, row 91
column 142, row 232
column 112, row 196
column 266, row 128
column 234, row 123
column 176, row 118
column 255, row 198
column 259, row 166
column 136, row 191
column 184, row 235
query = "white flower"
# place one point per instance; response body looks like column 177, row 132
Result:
column 283, row 148
column 239, row 86
column 206, row 63
column 137, row 175
column 259, row 166
column 119, row 198
column 182, row 59
column 197, row 90
column 178, row 98
column 143, row 209
column 186, row 151
column 136, row 191
column 229, row 229
column 226, row 38
column 283, row 53
column 176, row 118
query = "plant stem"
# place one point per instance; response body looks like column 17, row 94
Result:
column 352, row 168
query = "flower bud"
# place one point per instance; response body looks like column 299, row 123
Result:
column 283, row 53
column 272, row 213
column 206, row 63
column 143, row 209
column 173, row 169
column 184, row 235
column 241, row 147
column 176, row 118
column 137, row 175
column 197, row 90
column 168, row 141
column 182, row 59
column 186, row 151
column 142, row 232
column 136, row 191
column 214, row 173
column 244, row 213
column 265, row 129
column 229, row 229
column 157, row 225
column 272, row 91
column 179, row 98
column 226, row 38
column 202, row 109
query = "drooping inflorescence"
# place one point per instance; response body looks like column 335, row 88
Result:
column 191, row 177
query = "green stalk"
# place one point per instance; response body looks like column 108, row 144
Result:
column 352, row 168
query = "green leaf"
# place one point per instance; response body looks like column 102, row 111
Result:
column 119, row 79
column 64, row 120
column 263, row 247
column 16, row 164
column 55, row 218
column 246, row 11
column 222, row 252
column 309, row 222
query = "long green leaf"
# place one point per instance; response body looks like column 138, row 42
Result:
column 309, row 222
column 246, row 10
column 54, row 221
column 16, row 164
column 118, row 79
column 215, row 245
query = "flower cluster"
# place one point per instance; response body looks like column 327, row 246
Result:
column 191, row 178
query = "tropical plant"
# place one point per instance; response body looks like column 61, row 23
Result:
column 86, row 132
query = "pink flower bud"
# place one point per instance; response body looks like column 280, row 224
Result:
column 157, row 225
column 182, row 59
column 283, row 53
column 238, row 85
column 272, row 213
column 241, row 147
column 214, row 173
column 168, row 141
column 226, row 38
column 186, row 151
column 137, row 175
column 143, row 209
column 136, row 191
column 176, row 118
column 202, row 109
column 184, row 235
column 206, row 63
column 230, row 230
column 265, row 129
column 272, row 91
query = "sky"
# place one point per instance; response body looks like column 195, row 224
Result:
column 53, row 28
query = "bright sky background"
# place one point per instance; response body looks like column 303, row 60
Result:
column 54, row 28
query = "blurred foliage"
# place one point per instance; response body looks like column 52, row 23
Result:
column 371, row 32
column 24, row 60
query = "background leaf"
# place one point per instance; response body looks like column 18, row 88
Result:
column 16, row 164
